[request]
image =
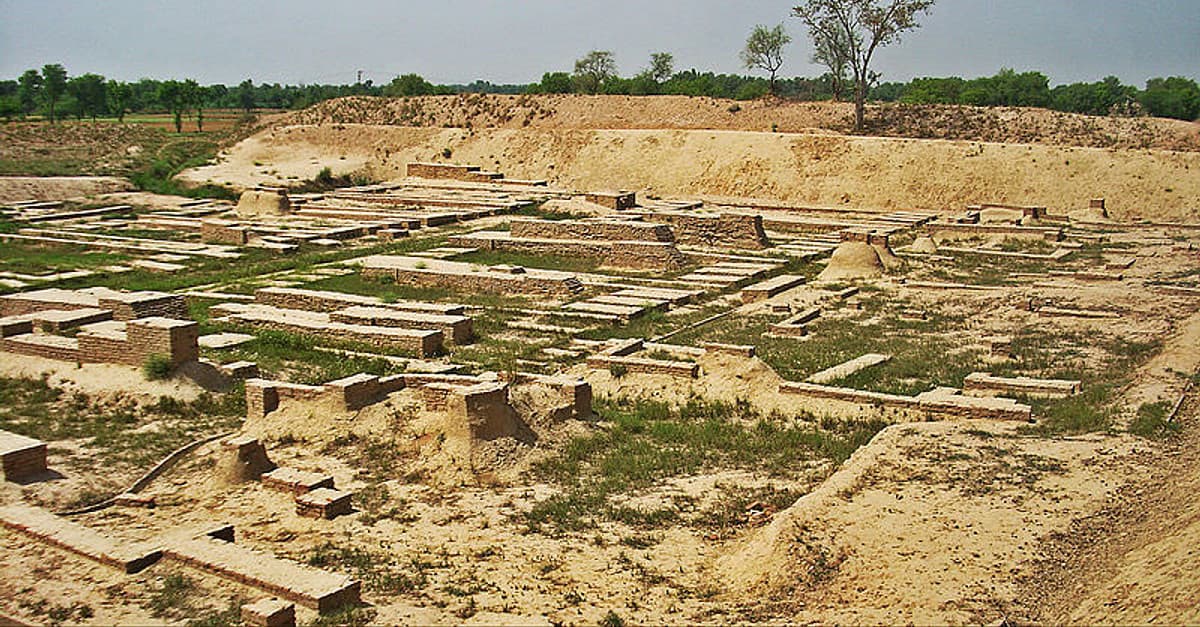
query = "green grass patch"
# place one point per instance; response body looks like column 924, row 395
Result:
column 638, row 445
column 118, row 433
column 43, row 258
column 1151, row 421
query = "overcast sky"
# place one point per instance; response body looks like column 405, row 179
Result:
column 514, row 41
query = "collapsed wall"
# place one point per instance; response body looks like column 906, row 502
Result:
column 715, row 230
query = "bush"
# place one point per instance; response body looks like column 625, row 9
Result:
column 617, row 370
column 1152, row 423
column 157, row 368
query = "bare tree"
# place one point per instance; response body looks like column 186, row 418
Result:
column 593, row 70
column 764, row 50
column 861, row 26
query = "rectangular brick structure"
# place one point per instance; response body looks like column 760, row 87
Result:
column 771, row 287
column 326, row 302
column 324, row 503
column 41, row 525
column 458, row 328
column 313, row 588
column 269, row 613
column 22, row 458
column 296, row 482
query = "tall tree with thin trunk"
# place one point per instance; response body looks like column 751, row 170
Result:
column 193, row 96
column 29, row 90
column 830, row 50
column 171, row 97
column 862, row 26
column 54, row 83
column 118, row 98
column 764, row 50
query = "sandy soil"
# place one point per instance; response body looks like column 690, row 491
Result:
column 18, row 188
column 999, row 124
column 815, row 169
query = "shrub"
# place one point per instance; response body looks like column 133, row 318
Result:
column 157, row 368
column 617, row 370
column 1151, row 421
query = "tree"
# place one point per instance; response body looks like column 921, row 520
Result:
column 831, row 50
column 171, row 97
column 29, row 90
column 593, row 70
column 10, row 107
column 245, row 95
column 1175, row 97
column 554, row 83
column 409, row 85
column 54, row 83
column 118, row 98
column 662, row 66
column 193, row 97
column 89, row 93
column 764, row 50
column 864, row 26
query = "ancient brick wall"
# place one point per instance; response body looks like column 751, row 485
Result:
column 1030, row 232
column 720, row 230
column 681, row 369
column 607, row 230
column 477, row 282
column 617, row 201
column 645, row 256
column 136, row 305
column 223, row 232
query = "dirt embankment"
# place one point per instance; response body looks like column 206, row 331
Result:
column 804, row 168
column 995, row 124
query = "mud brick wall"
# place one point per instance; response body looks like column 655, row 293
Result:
column 54, row 530
column 424, row 344
column 609, row 230
column 223, row 232
column 737, row 231
column 485, row 410
column 680, row 369
column 21, row 457
column 737, row 350
column 323, row 302
column 310, row 587
column 356, row 391
column 97, row 348
column 451, row 171
column 30, row 345
column 458, row 328
column 146, row 305
column 9, row 328
column 476, row 282
column 1029, row 232
column 175, row 339
column 21, row 305
column 645, row 256
column 617, row 201
column 263, row 397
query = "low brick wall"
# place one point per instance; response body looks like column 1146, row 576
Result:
column 421, row 343
column 452, row 171
column 724, row 230
column 617, row 201
column 316, row 589
column 604, row 230
column 21, row 457
column 43, row 526
column 459, row 329
column 928, row 406
column 477, row 282
column 681, row 369
column 942, row 229
column 1049, row 388
column 326, row 302
column 177, row 340
column 223, row 232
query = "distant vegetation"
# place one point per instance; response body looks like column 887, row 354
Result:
column 50, row 94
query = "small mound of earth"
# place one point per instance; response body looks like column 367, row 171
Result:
column 924, row 245
column 853, row 260
column 576, row 206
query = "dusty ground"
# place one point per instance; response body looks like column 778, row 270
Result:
column 816, row 169
column 18, row 188
column 998, row 124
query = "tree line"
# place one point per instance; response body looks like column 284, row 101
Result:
column 52, row 94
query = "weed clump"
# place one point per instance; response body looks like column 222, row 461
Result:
column 157, row 368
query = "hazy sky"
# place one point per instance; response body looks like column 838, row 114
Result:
column 514, row 41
